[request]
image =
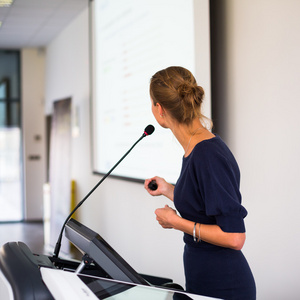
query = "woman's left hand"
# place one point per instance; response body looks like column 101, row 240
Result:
column 165, row 215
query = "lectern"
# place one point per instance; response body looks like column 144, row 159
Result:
column 27, row 276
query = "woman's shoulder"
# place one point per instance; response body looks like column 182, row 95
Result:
column 211, row 145
column 214, row 148
column 214, row 157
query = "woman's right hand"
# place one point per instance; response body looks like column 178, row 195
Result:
column 163, row 188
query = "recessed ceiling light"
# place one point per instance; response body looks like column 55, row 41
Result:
column 6, row 3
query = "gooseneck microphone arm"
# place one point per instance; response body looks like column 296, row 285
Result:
column 148, row 130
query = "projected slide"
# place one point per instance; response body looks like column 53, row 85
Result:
column 131, row 41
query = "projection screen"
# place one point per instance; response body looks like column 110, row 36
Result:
column 130, row 41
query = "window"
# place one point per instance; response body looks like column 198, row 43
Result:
column 10, row 137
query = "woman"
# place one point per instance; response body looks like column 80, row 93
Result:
column 206, row 194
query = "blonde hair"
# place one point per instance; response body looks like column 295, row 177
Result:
column 176, row 90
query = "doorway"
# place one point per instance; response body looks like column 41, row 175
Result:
column 11, row 191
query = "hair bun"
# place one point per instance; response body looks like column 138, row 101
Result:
column 185, row 89
column 190, row 92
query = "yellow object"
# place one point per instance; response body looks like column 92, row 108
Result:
column 73, row 197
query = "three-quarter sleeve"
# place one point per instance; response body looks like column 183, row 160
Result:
column 218, row 177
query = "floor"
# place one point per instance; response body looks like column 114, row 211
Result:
column 31, row 233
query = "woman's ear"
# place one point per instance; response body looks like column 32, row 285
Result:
column 161, row 111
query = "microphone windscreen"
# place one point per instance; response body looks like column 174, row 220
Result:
column 149, row 130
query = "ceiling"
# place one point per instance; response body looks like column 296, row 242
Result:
column 34, row 23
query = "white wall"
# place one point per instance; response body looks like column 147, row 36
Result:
column 120, row 211
column 261, row 57
column 261, row 92
column 33, row 126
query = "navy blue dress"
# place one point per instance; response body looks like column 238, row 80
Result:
column 207, row 192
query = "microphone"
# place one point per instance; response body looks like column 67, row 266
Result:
column 148, row 131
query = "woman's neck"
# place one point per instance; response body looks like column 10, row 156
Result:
column 187, row 135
